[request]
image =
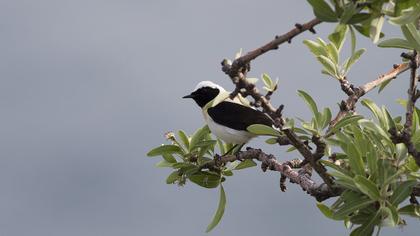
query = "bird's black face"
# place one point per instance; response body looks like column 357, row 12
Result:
column 203, row 95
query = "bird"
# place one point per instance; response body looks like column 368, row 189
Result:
column 227, row 118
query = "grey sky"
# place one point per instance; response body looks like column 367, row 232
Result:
column 88, row 87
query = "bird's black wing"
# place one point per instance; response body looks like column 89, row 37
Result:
column 237, row 116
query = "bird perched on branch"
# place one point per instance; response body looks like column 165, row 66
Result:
column 227, row 118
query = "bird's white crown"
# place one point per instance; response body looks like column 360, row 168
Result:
column 210, row 84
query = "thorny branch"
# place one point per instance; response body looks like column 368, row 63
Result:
column 268, row 162
column 237, row 72
column 413, row 94
column 354, row 94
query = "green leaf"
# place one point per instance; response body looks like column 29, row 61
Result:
column 169, row 158
column 221, row 146
column 205, row 179
column 376, row 130
column 407, row 16
column 268, row 82
column 245, row 164
column 333, row 53
column 393, row 213
column 353, row 59
column 350, row 119
column 353, row 40
column 174, row 176
column 375, row 110
column 368, row 227
column 344, row 180
column 376, row 28
column 412, row 35
column 383, row 85
column 367, row 187
column 325, row 210
column 355, row 159
column 219, row 212
column 205, row 143
column 410, row 210
column 329, row 65
column 358, row 18
column 326, row 117
column 260, row 129
column 396, row 43
column 199, row 135
column 402, row 192
column 337, row 168
column 349, row 10
column 316, row 48
column 323, row 11
column 164, row 149
column 338, row 37
column 271, row 141
column 164, row 163
column 309, row 101
column 184, row 138
column 350, row 207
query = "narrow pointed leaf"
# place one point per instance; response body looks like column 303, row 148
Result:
column 351, row 207
column 376, row 28
column 402, row 192
column 184, row 138
column 260, row 129
column 367, row 187
column 396, row 43
column 164, row 149
column 219, row 212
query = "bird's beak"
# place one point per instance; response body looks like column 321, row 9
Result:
column 188, row 96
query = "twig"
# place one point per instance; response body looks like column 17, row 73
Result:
column 272, row 45
column 268, row 162
column 356, row 93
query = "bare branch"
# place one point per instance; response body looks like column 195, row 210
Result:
column 272, row 45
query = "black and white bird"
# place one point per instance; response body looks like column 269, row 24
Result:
column 227, row 119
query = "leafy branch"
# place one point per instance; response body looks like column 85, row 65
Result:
column 370, row 165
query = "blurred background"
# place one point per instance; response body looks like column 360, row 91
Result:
column 87, row 87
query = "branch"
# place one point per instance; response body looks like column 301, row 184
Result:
column 354, row 94
column 268, row 162
column 272, row 45
column 413, row 95
column 237, row 72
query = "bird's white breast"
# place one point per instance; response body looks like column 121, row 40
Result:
column 227, row 134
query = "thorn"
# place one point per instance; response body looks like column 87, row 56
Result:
column 312, row 30
column 395, row 66
column 289, row 40
column 299, row 26
column 407, row 56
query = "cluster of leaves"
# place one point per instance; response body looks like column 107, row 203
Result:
column 328, row 54
column 368, row 17
column 377, row 175
column 188, row 156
